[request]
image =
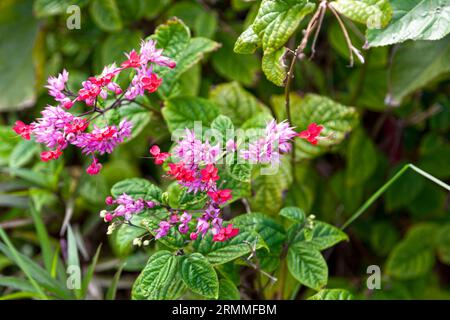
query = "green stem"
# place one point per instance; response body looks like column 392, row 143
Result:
column 384, row 187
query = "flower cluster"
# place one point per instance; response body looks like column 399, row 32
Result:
column 57, row 128
column 126, row 207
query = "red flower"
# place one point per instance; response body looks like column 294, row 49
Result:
column 220, row 196
column 50, row 155
column 180, row 172
column 226, row 233
column 134, row 60
column 160, row 157
column 209, row 173
column 311, row 133
column 152, row 83
column 22, row 129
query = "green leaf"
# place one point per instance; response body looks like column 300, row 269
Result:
column 247, row 42
column 374, row 13
column 236, row 103
column 274, row 67
column 23, row 153
column 332, row 294
column 44, row 239
column 277, row 20
column 225, row 127
column 138, row 115
column 111, row 293
column 72, row 253
column 231, row 65
column 361, row 158
column 271, row 231
column 45, row 8
column 122, row 238
column 415, row 65
column 175, row 38
column 413, row 20
column 268, row 188
column 443, row 244
column 222, row 252
column 307, row 265
column 337, row 120
column 323, row 236
column 174, row 239
column 137, row 188
column 200, row 276
column 294, row 214
column 431, row 145
column 158, row 279
column 113, row 48
column 413, row 256
column 18, row 78
column 106, row 15
column 227, row 290
column 183, row 112
column 90, row 272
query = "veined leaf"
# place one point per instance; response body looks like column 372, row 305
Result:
column 332, row 294
column 183, row 112
column 273, row 66
column 307, row 265
column 277, row 20
column 227, row 290
column 413, row 20
column 294, row 214
column 158, row 278
column 137, row 188
column 374, row 13
column 236, row 103
column 200, row 276
column 247, row 42
column 323, row 236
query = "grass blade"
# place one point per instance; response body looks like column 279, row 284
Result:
column 111, row 294
column 90, row 272
column 43, row 237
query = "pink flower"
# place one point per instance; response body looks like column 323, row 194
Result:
column 133, row 60
column 23, row 129
column 226, row 233
column 127, row 206
column 94, row 167
column 312, row 133
column 50, row 155
column 160, row 157
column 193, row 236
column 163, row 229
column 56, row 86
column 149, row 53
column 209, row 173
column 220, row 196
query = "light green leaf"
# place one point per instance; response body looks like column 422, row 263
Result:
column 323, row 236
column 23, row 153
column 182, row 112
column 18, row 34
column 227, row 290
column 158, row 279
column 122, row 238
column 413, row 256
column 277, row 20
column 415, row 65
column 45, row 8
column 247, row 42
column 273, row 66
column 294, row 214
column 233, row 66
column 200, row 276
column 106, row 15
column 307, row 265
column 332, row 294
column 413, row 20
column 374, row 13
column 137, row 188
column 236, row 103
column 225, row 127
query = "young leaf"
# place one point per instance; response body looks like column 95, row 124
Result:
column 413, row 20
column 323, row 235
column 294, row 214
column 307, row 265
column 374, row 13
column 277, row 20
column 247, row 42
column 332, row 294
column 200, row 276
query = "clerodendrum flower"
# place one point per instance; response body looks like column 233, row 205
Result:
column 57, row 128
